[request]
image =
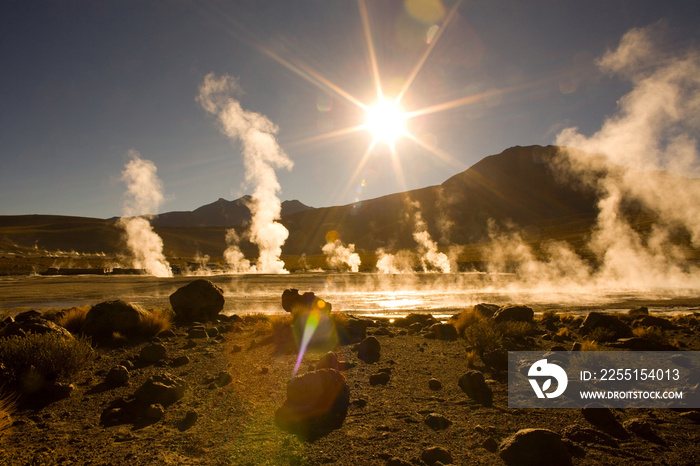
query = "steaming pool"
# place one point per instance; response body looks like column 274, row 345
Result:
column 357, row 293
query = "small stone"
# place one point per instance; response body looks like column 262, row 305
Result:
column 190, row 419
column 434, row 384
column 197, row 332
column 534, row 447
column 433, row 455
column 223, row 379
column 117, row 376
column 490, row 444
column 380, row 378
column 154, row 412
column 437, row 421
column 264, row 370
column 328, row 361
column 180, row 361
column 368, row 350
column 236, row 348
column 152, row 353
column 473, row 384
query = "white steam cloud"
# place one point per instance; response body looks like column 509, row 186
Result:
column 339, row 255
column 261, row 156
column 142, row 198
column 430, row 258
column 653, row 135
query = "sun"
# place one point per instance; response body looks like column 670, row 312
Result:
column 385, row 121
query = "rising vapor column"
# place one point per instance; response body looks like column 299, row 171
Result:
column 261, row 155
column 143, row 195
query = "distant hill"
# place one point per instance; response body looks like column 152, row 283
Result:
column 517, row 187
column 221, row 213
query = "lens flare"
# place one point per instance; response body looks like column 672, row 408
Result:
column 310, row 326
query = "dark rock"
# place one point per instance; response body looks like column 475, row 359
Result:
column 164, row 389
column 437, row 421
column 32, row 322
column 473, row 384
column 180, row 361
column 424, row 320
column 154, row 412
column 514, row 314
column 117, row 376
column 317, row 403
column 106, row 318
column 604, row 419
column 490, row 444
column 380, row 378
column 197, row 332
column 640, row 344
column 486, row 310
column 190, row 420
column 166, row 334
column 496, row 359
column 434, row 455
column 328, row 361
column 212, row 332
column 351, row 329
column 586, row 435
column 55, row 390
column 655, row 321
column 596, row 320
column 434, row 384
column 639, row 312
column 534, row 447
column 396, row 461
column 223, row 378
column 443, row 331
column 693, row 416
column 641, row 427
column 368, row 350
column 152, row 353
column 297, row 304
column 200, row 301
column 415, row 327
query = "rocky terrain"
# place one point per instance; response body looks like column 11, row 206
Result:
column 216, row 390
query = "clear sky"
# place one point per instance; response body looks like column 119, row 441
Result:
column 84, row 82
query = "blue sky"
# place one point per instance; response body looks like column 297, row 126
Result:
column 82, row 83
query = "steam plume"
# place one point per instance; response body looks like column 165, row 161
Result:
column 338, row 255
column 431, row 258
column 654, row 129
column 261, row 155
column 143, row 196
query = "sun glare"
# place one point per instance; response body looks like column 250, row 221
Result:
column 385, row 121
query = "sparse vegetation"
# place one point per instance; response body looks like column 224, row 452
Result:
column 550, row 314
column 590, row 345
column 564, row 332
column 49, row 356
column 73, row 319
column 654, row 334
column 602, row 334
column 155, row 321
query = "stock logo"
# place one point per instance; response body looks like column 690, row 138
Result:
column 543, row 369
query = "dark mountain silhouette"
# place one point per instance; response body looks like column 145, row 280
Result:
column 220, row 213
column 517, row 188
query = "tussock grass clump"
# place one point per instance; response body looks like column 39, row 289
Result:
column 549, row 314
column 654, row 334
column 48, row 355
column 601, row 334
column 73, row 319
column 7, row 408
column 482, row 333
column 564, row 332
column 590, row 345
column 155, row 321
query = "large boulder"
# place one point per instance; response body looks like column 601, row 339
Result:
column 198, row 301
column 108, row 317
column 317, row 403
column 534, row 447
column 31, row 322
column 514, row 314
column 443, row 331
column 163, row 389
column 595, row 320
column 297, row 304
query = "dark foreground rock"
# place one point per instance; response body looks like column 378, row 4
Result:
column 198, row 301
column 108, row 317
column 473, row 384
column 534, row 447
column 317, row 403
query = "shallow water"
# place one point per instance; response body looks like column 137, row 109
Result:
column 359, row 293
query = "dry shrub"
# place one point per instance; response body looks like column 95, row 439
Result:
column 564, row 332
column 601, row 334
column 654, row 334
column 590, row 345
column 550, row 314
column 514, row 330
column 465, row 319
column 48, row 355
column 73, row 319
column 7, row 408
column 472, row 358
column 155, row 321
column 482, row 335
column 567, row 318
